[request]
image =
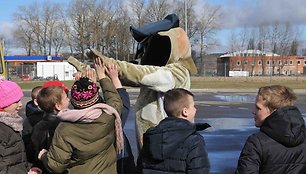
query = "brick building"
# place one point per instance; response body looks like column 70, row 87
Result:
column 258, row 63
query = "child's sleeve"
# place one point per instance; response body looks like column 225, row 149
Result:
column 126, row 104
column 59, row 155
column 249, row 160
column 110, row 94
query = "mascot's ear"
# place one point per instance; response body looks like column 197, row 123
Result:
column 141, row 33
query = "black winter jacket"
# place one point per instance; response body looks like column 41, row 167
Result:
column 33, row 113
column 279, row 147
column 125, row 162
column 42, row 135
column 173, row 146
column 33, row 116
column 12, row 152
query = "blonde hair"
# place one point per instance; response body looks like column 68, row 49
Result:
column 277, row 96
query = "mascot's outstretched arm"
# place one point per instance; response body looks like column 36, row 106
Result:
column 154, row 77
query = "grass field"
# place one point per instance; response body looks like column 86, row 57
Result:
column 247, row 82
column 219, row 82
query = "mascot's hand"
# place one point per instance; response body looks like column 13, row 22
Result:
column 82, row 67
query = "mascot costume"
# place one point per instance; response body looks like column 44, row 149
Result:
column 165, row 63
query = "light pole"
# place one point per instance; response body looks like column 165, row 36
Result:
column 224, row 70
column 185, row 10
column 297, row 68
column 116, row 48
column 270, row 67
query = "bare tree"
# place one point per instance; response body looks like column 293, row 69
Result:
column 124, row 42
column 104, row 24
column 205, row 28
column 156, row 10
column 138, row 10
column 263, row 34
column 185, row 9
column 29, row 17
column 41, row 21
column 294, row 48
column 78, row 13
column 24, row 38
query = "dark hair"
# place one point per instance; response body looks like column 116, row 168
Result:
column 175, row 100
column 35, row 91
column 48, row 97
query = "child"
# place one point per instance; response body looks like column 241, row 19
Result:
column 51, row 99
column 33, row 115
column 125, row 162
column 32, row 111
column 86, row 139
column 280, row 145
column 174, row 146
column 12, row 150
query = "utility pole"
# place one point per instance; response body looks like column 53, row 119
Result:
column 297, row 67
column 185, row 6
column 224, row 70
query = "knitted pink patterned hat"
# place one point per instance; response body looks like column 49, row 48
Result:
column 10, row 93
column 84, row 93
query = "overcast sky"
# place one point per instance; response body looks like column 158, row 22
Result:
column 236, row 13
column 249, row 13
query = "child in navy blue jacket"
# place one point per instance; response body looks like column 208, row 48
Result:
column 174, row 145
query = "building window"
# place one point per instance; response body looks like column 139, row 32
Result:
column 273, row 62
column 259, row 62
column 238, row 62
column 299, row 62
column 304, row 62
column 268, row 62
column 279, row 62
column 290, row 62
column 245, row 62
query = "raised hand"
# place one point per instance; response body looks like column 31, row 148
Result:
column 100, row 68
column 90, row 73
column 112, row 72
column 77, row 75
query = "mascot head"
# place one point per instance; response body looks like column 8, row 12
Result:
column 163, row 42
